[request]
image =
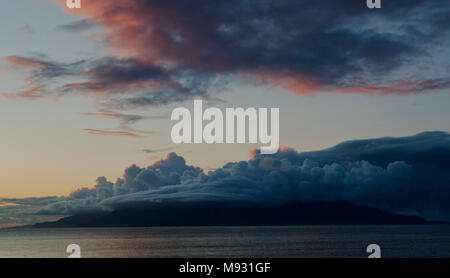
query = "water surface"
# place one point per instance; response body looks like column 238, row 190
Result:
column 296, row 241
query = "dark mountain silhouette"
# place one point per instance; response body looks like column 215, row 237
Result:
column 337, row 213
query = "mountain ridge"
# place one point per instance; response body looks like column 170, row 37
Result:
column 330, row 213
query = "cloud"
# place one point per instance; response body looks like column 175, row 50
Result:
column 32, row 94
column 150, row 151
column 16, row 61
column 19, row 212
column 125, row 118
column 108, row 80
column 332, row 45
column 41, row 73
column 111, row 133
column 6, row 204
column 408, row 175
column 77, row 26
column 171, row 51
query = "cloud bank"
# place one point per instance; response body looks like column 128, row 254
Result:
column 174, row 50
column 408, row 175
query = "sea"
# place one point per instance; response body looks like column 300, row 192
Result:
column 405, row 241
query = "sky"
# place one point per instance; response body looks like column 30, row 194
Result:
column 88, row 92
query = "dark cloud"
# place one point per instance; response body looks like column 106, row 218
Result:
column 115, row 83
column 333, row 45
column 174, row 50
column 408, row 175
column 77, row 26
column 430, row 148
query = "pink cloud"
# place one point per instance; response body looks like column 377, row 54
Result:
column 21, row 62
column 33, row 94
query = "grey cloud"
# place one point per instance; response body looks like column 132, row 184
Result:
column 406, row 175
column 148, row 151
column 304, row 46
column 77, row 26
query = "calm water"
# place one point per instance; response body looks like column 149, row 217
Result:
column 301, row 241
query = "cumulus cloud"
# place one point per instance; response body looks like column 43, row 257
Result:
column 408, row 175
